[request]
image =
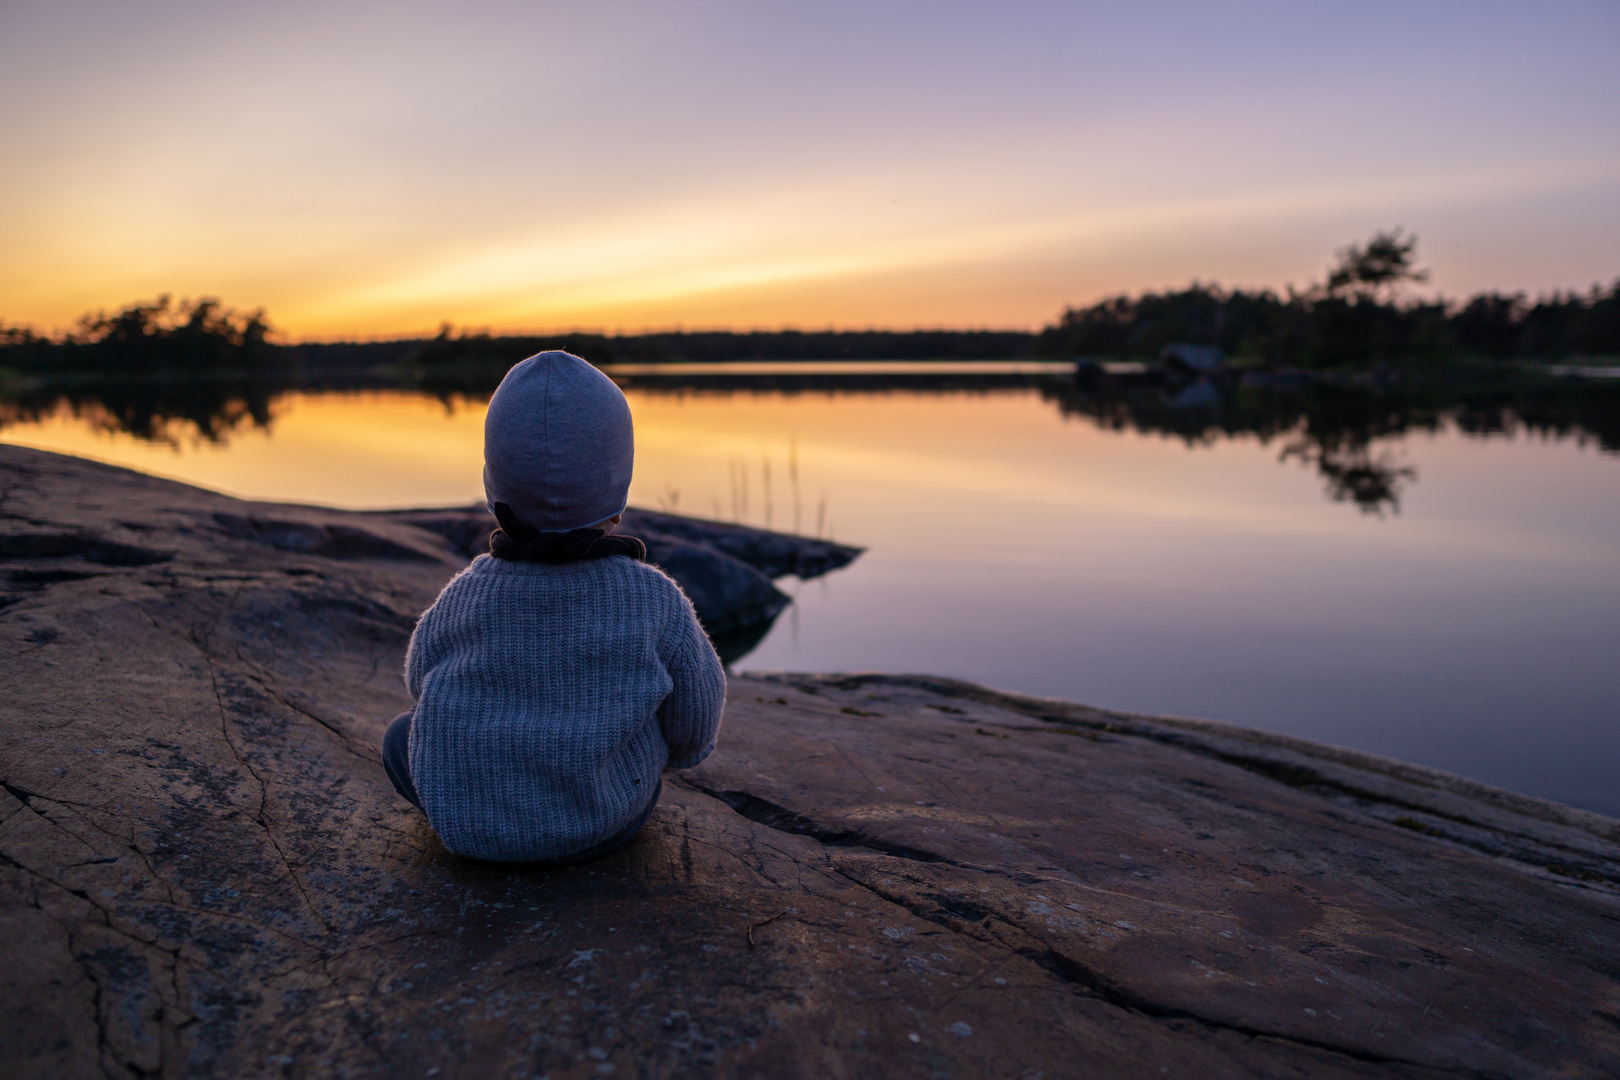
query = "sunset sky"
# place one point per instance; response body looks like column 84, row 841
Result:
column 375, row 169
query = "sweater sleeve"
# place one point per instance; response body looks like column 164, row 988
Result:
column 426, row 647
column 690, row 716
column 427, row 644
column 416, row 658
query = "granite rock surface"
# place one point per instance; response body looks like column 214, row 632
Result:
column 205, row 873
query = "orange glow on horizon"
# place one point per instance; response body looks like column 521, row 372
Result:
column 769, row 263
column 700, row 165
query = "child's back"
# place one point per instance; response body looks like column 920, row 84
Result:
column 549, row 699
column 554, row 683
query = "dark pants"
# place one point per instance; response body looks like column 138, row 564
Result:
column 397, row 764
column 397, row 756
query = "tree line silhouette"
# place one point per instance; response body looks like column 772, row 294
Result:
column 1358, row 317
column 187, row 338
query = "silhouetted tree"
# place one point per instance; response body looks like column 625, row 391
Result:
column 155, row 335
column 1380, row 267
column 190, row 336
column 1356, row 318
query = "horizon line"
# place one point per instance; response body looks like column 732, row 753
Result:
column 288, row 339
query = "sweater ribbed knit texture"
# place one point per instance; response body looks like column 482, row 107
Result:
column 549, row 699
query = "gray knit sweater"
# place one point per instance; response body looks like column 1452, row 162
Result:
column 549, row 698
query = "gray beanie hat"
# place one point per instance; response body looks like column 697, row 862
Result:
column 558, row 444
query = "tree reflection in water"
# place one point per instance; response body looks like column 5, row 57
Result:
column 163, row 411
column 1334, row 425
column 1353, row 473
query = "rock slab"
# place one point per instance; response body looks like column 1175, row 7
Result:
column 205, row 873
column 726, row 570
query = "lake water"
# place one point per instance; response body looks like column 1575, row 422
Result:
column 1465, row 614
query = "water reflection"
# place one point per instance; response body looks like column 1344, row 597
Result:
column 1334, row 426
column 1354, row 473
column 168, row 412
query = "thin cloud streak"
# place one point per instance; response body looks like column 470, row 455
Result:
column 609, row 272
column 364, row 169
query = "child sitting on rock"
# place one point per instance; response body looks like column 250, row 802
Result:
column 557, row 676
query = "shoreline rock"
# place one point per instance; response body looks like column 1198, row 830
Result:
column 726, row 570
column 204, row 872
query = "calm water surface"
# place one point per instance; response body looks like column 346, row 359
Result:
column 1476, row 628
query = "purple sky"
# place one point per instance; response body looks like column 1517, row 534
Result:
column 376, row 169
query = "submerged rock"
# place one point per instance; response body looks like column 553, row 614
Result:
column 204, row 871
column 773, row 554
